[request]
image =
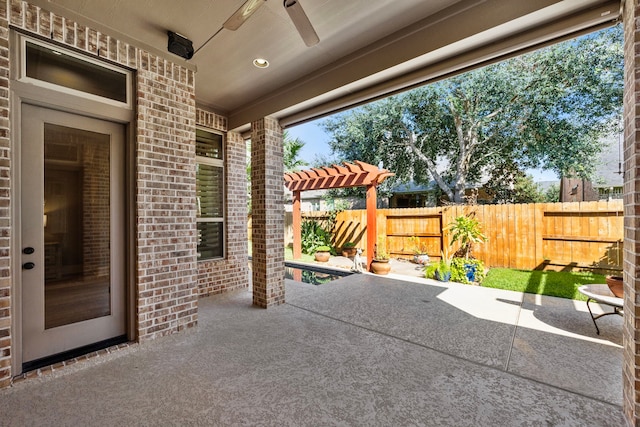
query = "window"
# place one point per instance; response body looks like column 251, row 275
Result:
column 54, row 67
column 210, row 194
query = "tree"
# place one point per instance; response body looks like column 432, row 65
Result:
column 291, row 153
column 290, row 158
column 543, row 109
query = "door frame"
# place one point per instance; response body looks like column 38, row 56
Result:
column 48, row 342
column 62, row 100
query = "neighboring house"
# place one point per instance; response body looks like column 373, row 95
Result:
column 318, row 200
column 122, row 161
column 607, row 182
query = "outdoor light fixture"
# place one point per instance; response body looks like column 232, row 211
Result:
column 261, row 63
column 180, row 45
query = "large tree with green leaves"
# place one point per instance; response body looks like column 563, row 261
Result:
column 547, row 109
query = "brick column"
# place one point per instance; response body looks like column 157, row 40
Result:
column 267, row 198
column 631, row 340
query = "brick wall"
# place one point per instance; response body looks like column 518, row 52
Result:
column 96, row 208
column 267, row 195
column 165, row 198
column 166, row 270
column 168, row 277
column 232, row 272
column 631, row 257
column 5, row 205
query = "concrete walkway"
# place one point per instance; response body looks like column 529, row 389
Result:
column 363, row 350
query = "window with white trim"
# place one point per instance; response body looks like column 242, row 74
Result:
column 210, row 194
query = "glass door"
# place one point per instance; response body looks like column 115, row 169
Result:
column 72, row 221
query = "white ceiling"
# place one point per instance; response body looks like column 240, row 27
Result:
column 367, row 48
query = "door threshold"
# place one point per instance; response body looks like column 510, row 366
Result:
column 71, row 354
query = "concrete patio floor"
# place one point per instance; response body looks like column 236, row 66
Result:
column 363, row 350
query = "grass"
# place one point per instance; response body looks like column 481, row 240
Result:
column 288, row 254
column 561, row 284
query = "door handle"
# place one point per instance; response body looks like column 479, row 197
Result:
column 28, row 265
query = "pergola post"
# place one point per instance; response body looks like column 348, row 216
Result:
column 372, row 226
column 297, row 226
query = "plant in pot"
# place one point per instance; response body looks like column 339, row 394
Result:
column 349, row 250
column 380, row 262
column 466, row 231
column 419, row 251
column 322, row 253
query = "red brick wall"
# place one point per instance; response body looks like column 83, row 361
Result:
column 165, row 199
column 232, row 272
column 168, row 278
column 6, row 279
column 267, row 195
column 631, row 257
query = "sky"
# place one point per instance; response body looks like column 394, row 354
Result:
column 316, row 142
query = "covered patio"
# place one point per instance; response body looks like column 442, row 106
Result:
column 363, row 350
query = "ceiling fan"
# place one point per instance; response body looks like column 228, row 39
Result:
column 293, row 8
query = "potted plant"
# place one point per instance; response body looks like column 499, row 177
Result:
column 443, row 270
column 322, row 253
column 380, row 262
column 466, row 231
column 349, row 250
column 419, row 251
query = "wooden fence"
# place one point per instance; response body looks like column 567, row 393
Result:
column 586, row 235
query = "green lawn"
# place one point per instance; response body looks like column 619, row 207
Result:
column 288, row 254
column 554, row 283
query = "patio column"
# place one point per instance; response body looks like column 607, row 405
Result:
column 297, row 226
column 631, row 266
column 372, row 226
column 267, row 200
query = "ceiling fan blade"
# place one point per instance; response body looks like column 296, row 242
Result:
column 302, row 23
column 242, row 14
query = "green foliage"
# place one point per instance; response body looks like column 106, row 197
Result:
column 466, row 231
column 440, row 268
column 381, row 249
column 323, row 248
column 459, row 270
column 552, row 194
column 291, row 153
column 312, row 236
column 547, row 109
column 349, row 245
column 516, row 187
column 553, row 283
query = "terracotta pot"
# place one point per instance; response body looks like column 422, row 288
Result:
column 615, row 285
column 380, row 266
column 322, row 256
column 349, row 252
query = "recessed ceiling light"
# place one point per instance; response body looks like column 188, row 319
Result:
column 261, row 63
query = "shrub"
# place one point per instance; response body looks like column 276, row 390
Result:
column 323, row 249
column 312, row 236
column 459, row 271
column 467, row 231
column 457, row 268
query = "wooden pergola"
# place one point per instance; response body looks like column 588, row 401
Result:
column 357, row 174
